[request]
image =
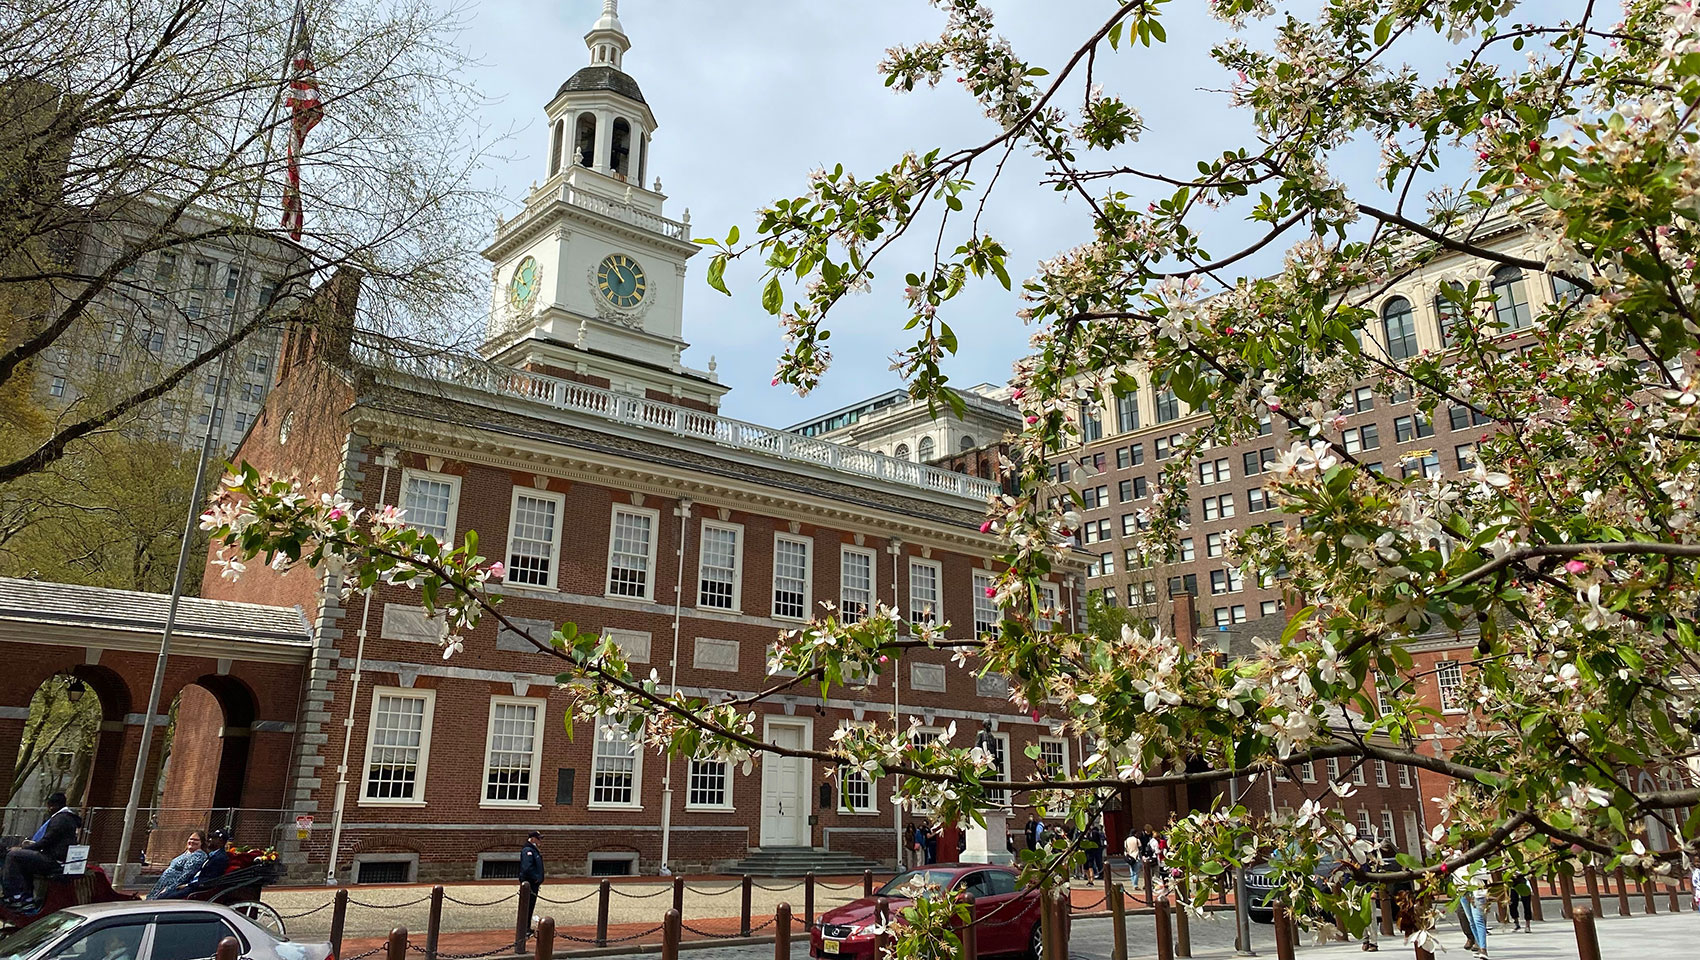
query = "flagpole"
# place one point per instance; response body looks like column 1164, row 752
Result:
column 132, row 808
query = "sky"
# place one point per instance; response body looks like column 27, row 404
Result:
column 750, row 96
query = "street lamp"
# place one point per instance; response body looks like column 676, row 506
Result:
column 74, row 690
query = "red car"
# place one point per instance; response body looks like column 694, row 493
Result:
column 1007, row 917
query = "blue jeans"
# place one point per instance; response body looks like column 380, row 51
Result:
column 1475, row 911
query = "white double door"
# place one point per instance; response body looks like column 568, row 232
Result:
column 785, row 787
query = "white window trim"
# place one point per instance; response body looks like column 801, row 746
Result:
column 637, row 773
column 424, row 765
column 983, row 580
column 1066, row 760
column 654, row 538
column 1004, row 774
column 554, row 544
column 873, row 806
column 729, row 806
column 808, row 577
column 737, row 564
column 938, row 582
column 535, row 803
column 1050, row 597
column 873, row 576
column 1440, row 688
column 937, row 732
column 408, row 473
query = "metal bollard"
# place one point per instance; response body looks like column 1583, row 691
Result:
column 882, row 916
column 1646, row 886
column 867, row 883
column 603, row 891
column 1183, row 925
column 544, row 947
column 1593, row 878
column 1535, row 897
column 434, row 923
column 670, row 935
column 1165, row 937
column 809, row 901
column 744, row 917
column 339, row 918
column 1587, row 938
column 1675, row 902
column 1424, row 954
column 1062, row 918
column 522, row 918
column 679, row 895
column 970, row 938
column 396, row 949
column 1385, row 895
column 1283, row 932
column 1567, row 894
column 228, row 948
column 1622, row 893
column 782, row 932
column 1118, row 919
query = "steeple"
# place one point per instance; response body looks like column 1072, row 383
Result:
column 607, row 39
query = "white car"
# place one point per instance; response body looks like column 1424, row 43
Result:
column 150, row 930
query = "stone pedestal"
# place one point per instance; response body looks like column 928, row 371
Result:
column 989, row 844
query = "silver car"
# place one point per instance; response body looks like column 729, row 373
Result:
column 150, row 930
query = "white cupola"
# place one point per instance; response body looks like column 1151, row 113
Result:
column 607, row 39
column 598, row 119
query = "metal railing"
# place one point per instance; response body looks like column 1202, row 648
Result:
column 475, row 374
column 161, row 830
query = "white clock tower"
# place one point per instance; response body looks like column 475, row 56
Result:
column 589, row 277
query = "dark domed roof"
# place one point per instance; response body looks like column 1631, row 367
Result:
column 601, row 76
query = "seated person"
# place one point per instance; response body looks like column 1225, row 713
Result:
column 215, row 866
column 42, row 855
column 182, row 867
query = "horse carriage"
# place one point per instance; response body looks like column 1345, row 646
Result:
column 238, row 888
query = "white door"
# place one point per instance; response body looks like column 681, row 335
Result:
column 784, row 791
column 1413, row 836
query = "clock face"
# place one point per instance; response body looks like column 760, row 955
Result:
column 620, row 280
column 522, row 289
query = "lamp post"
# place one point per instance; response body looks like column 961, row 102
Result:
column 895, row 547
column 74, row 690
column 683, row 512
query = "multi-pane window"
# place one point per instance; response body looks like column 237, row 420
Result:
column 924, row 577
column 1386, row 826
column 1136, row 453
column 164, row 278
column 1110, row 597
column 1400, row 327
column 1229, row 580
column 398, row 744
column 1185, row 583
column 1269, row 608
column 1427, row 465
column 1124, row 491
column 1123, row 459
column 510, row 763
column 1307, row 771
column 1365, row 829
column 855, row 584
column 1464, row 417
column 57, row 387
column 1107, row 563
column 614, row 765
column 718, row 567
column 1092, row 531
column 790, row 577
column 1511, row 299
column 1450, row 313
column 1449, row 676
column 1465, row 453
column 200, row 278
column 1130, row 524
column 1359, row 439
column 1257, row 499
column 428, row 501
column 1053, row 757
column 1219, row 508
column 998, row 745
column 1404, row 775
column 1381, row 773
column 1048, row 603
column 1230, row 614
column 1358, row 773
column 1127, row 412
column 1185, row 551
column 1406, row 429
column 1565, row 293
column 1214, row 471
column 855, row 790
column 1215, row 544
column 1094, row 497
column 708, row 785
column 631, row 553
column 1361, row 400
column 1168, row 406
column 1091, row 424
column 1254, row 462
column 1141, row 488
column 534, row 538
column 986, row 612
column 1333, row 769
column 1161, row 448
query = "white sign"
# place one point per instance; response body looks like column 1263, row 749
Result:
column 76, row 860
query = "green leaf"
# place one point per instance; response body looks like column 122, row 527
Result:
column 1383, row 29
column 732, row 235
column 716, row 274
column 772, row 296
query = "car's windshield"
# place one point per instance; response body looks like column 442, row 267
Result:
column 898, row 886
column 30, row 939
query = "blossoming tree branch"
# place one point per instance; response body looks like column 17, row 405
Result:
column 1566, row 559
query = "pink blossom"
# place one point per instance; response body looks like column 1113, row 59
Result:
column 991, row 592
column 1576, row 566
column 1032, row 420
column 986, row 527
column 497, row 569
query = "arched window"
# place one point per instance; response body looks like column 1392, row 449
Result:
column 1450, row 314
column 642, row 157
column 1400, row 326
column 584, row 141
column 1510, row 298
column 619, row 157
column 967, row 442
column 902, row 451
column 555, row 138
column 925, row 449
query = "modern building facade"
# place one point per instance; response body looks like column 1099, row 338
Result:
column 894, row 424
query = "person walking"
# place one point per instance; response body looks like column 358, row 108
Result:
column 1522, row 892
column 1132, row 850
column 182, row 867
column 1095, row 841
column 1473, row 899
column 531, row 862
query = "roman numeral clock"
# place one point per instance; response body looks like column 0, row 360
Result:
column 620, row 290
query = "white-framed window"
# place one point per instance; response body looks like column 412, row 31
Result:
column 616, row 765
column 791, row 576
column 1404, row 776
column 1387, row 831
column 1215, row 544
column 1358, row 773
column 921, row 736
column 511, row 751
column 398, row 745
column 1381, row 773
column 855, row 790
column 1307, row 771
column 631, row 552
column 1053, row 756
column 430, row 501
column 986, row 612
column 1048, row 600
column 1365, row 829
column 855, row 584
column 925, row 580
column 1229, row 580
column 720, row 566
column 708, row 785
column 999, row 769
column 534, row 537
column 1449, row 676
column 1333, row 769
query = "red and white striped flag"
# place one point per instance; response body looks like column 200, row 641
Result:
column 304, row 114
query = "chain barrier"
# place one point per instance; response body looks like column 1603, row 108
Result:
column 505, row 950
column 711, row 893
column 641, row 933
column 388, row 906
column 371, row 952
column 789, row 886
column 1094, row 904
column 485, row 903
column 833, row 886
column 307, row 913
column 616, row 891
column 542, row 899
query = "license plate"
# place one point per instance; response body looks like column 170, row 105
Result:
column 830, row 946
